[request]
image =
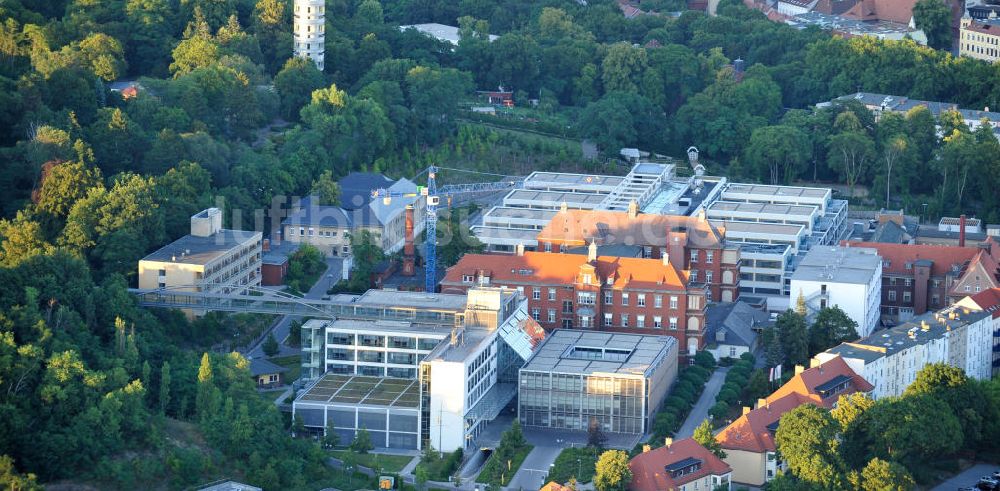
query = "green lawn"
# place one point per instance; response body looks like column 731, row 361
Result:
column 389, row 463
column 501, row 472
column 292, row 363
column 566, row 465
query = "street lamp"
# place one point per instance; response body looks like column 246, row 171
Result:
column 579, row 469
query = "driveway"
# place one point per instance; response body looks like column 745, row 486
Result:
column 281, row 326
column 699, row 412
column 535, row 468
column 968, row 478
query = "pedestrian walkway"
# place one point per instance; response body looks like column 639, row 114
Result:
column 535, row 468
column 699, row 412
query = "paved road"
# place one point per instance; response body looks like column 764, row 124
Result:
column 280, row 328
column 969, row 478
column 700, row 410
column 535, row 468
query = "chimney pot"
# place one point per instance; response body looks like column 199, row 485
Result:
column 667, row 442
column 646, row 448
column 813, row 363
column 633, row 209
column 519, row 249
column 799, row 369
column 961, row 230
column 746, row 410
column 761, row 403
column 666, row 259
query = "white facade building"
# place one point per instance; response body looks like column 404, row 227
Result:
column 437, row 379
column 309, row 30
column 890, row 359
column 848, row 277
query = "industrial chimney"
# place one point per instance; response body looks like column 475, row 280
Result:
column 961, row 230
column 409, row 255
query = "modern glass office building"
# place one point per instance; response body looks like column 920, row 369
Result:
column 576, row 376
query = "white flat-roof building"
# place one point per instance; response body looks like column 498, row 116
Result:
column 309, row 30
column 890, row 359
column 437, row 380
column 848, row 277
column 440, row 32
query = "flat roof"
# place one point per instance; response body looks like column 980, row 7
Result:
column 886, row 342
column 768, row 208
column 524, row 213
column 556, row 197
column 440, row 32
column 556, row 353
column 389, row 327
column 791, row 229
column 401, row 299
column 520, row 235
column 565, row 179
column 838, row 264
column 193, row 249
column 766, row 190
column 365, row 391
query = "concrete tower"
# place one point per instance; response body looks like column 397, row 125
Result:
column 309, row 27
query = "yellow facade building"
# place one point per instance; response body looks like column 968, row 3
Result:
column 980, row 39
column 211, row 258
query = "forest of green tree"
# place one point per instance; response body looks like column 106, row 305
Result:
column 94, row 388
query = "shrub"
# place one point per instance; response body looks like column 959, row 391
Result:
column 730, row 385
column 664, row 424
column 728, row 396
column 701, row 373
column 684, row 385
column 748, row 357
column 685, row 395
column 704, row 359
column 719, row 411
column 677, row 404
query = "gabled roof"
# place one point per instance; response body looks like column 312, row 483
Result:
column 549, row 268
column 889, row 232
column 737, row 320
column 809, row 383
column 356, row 188
column 554, row 486
column 989, row 300
column 310, row 213
column 260, row 366
column 896, row 257
column 754, row 431
column 580, row 227
column 651, row 470
column 898, row 11
column 382, row 212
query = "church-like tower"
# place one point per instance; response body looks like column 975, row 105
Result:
column 309, row 28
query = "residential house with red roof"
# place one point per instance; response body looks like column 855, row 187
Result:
column 919, row 278
column 620, row 294
column 749, row 441
column 684, row 465
column 988, row 301
column 691, row 243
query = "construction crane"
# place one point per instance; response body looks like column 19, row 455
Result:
column 433, row 196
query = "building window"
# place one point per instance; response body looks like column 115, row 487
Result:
column 467, row 278
column 673, row 323
column 552, row 294
column 640, row 300
column 585, row 321
column 607, row 320
column 625, row 298
column 907, row 282
column 586, row 298
column 567, row 306
column 536, row 293
column 658, row 301
column 709, row 256
column 892, row 281
column 536, row 314
column 552, row 315
column 708, row 276
column 567, row 323
column 609, row 298
column 673, row 302
column 892, row 295
column 694, row 256
column 906, row 297
column 311, row 231
column 732, row 351
column 935, row 300
column 647, row 252
column 302, row 231
column 624, row 320
column 548, row 247
column 657, row 322
column 640, row 321
column 694, row 276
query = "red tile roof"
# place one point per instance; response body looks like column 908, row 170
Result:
column 989, row 300
column 580, row 227
column 944, row 258
column 750, row 431
column 547, row 268
column 899, row 11
column 554, row 486
column 649, row 468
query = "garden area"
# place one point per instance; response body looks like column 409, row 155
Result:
column 436, row 467
column 305, row 267
column 575, row 463
column 507, row 458
column 385, row 462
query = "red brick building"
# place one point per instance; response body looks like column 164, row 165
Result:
column 690, row 242
column 635, row 295
column 917, row 278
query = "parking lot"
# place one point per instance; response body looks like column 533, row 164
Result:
column 968, row 478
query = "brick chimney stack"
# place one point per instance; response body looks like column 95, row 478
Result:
column 409, row 254
column 961, row 231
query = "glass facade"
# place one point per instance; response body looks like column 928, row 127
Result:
column 571, row 401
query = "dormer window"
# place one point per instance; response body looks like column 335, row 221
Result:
column 587, row 278
column 684, row 467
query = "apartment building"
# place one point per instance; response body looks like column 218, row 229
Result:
column 575, row 377
column 210, row 258
column 684, row 465
column 987, row 301
column 749, row 440
column 607, row 293
column 690, row 242
column 883, row 103
column 435, row 381
column 979, row 39
column 846, row 277
column 890, row 359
